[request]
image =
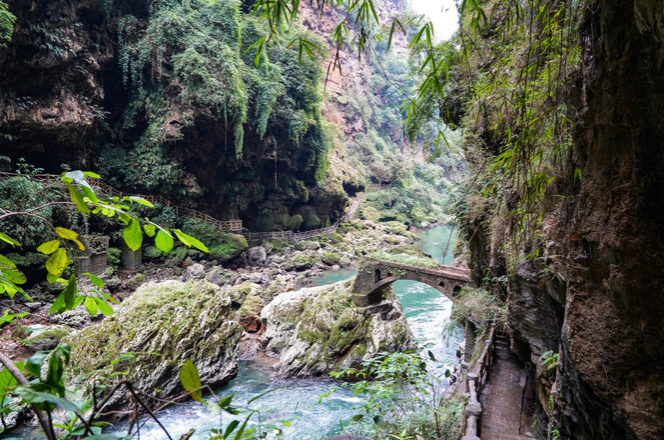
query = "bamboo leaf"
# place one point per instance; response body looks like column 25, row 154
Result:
column 231, row 427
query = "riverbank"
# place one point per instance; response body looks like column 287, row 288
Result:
column 275, row 266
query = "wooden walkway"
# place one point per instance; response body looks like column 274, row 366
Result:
column 221, row 225
column 504, row 415
column 499, row 395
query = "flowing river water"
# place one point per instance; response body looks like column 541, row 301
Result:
column 427, row 312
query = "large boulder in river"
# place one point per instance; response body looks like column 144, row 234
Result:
column 319, row 329
column 154, row 331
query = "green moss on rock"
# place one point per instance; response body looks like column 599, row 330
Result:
column 319, row 329
column 330, row 258
column 155, row 331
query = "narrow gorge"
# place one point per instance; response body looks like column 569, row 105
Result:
column 327, row 207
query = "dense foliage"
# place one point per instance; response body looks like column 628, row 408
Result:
column 402, row 400
column 416, row 177
column 192, row 63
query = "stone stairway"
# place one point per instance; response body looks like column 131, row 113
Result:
column 507, row 412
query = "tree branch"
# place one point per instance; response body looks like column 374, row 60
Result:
column 30, row 211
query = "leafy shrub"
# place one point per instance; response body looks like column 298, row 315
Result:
column 402, row 400
column 114, row 257
column 222, row 246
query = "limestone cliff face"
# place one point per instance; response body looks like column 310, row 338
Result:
column 52, row 86
column 64, row 100
column 596, row 295
column 612, row 342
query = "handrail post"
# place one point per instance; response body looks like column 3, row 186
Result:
column 473, row 410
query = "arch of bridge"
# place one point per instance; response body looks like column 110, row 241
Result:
column 374, row 277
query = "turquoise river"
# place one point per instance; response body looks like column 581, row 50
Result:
column 427, row 312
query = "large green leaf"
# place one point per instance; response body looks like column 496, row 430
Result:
column 139, row 200
column 149, row 230
column 58, row 305
column 68, row 234
column 57, row 262
column 90, row 305
column 190, row 241
column 30, row 395
column 70, row 293
column 9, row 317
column 164, row 241
column 133, row 235
column 34, row 364
column 14, row 275
column 67, row 298
column 103, row 306
column 6, row 378
column 78, row 177
column 108, row 298
column 49, row 247
column 6, row 262
column 77, row 197
column 190, row 380
column 94, row 279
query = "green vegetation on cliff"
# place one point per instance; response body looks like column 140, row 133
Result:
column 191, row 63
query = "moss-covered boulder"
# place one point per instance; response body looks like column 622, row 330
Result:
column 47, row 338
column 320, row 329
column 303, row 260
column 249, row 313
column 154, row 331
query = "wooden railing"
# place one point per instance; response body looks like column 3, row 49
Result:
column 290, row 235
column 475, row 381
column 222, row 225
column 353, row 209
column 297, row 236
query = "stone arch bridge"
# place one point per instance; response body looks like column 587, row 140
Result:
column 374, row 276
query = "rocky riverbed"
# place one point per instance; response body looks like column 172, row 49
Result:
column 167, row 311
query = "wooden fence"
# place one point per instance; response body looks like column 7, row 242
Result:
column 222, row 225
column 475, row 381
